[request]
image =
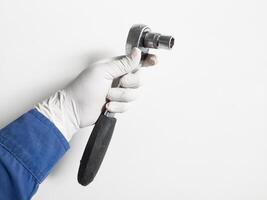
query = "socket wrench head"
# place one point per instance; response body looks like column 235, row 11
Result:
column 141, row 36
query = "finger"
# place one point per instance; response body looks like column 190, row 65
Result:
column 131, row 80
column 125, row 64
column 150, row 60
column 122, row 94
column 117, row 107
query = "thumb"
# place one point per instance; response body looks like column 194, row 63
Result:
column 125, row 64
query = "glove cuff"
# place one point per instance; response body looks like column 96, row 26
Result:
column 61, row 110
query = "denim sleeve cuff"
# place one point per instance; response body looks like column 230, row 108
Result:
column 35, row 142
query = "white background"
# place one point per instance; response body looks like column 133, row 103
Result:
column 198, row 131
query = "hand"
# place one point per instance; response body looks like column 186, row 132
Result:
column 82, row 101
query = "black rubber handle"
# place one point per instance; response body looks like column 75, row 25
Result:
column 95, row 149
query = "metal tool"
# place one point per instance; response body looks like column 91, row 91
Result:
column 139, row 36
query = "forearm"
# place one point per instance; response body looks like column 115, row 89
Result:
column 29, row 148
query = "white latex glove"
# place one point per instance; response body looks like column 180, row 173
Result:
column 82, row 101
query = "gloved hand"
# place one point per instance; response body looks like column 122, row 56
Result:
column 81, row 102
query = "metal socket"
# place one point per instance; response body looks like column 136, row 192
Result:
column 158, row 41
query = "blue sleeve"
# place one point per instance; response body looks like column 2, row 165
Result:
column 29, row 148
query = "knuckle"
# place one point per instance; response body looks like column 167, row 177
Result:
column 109, row 95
